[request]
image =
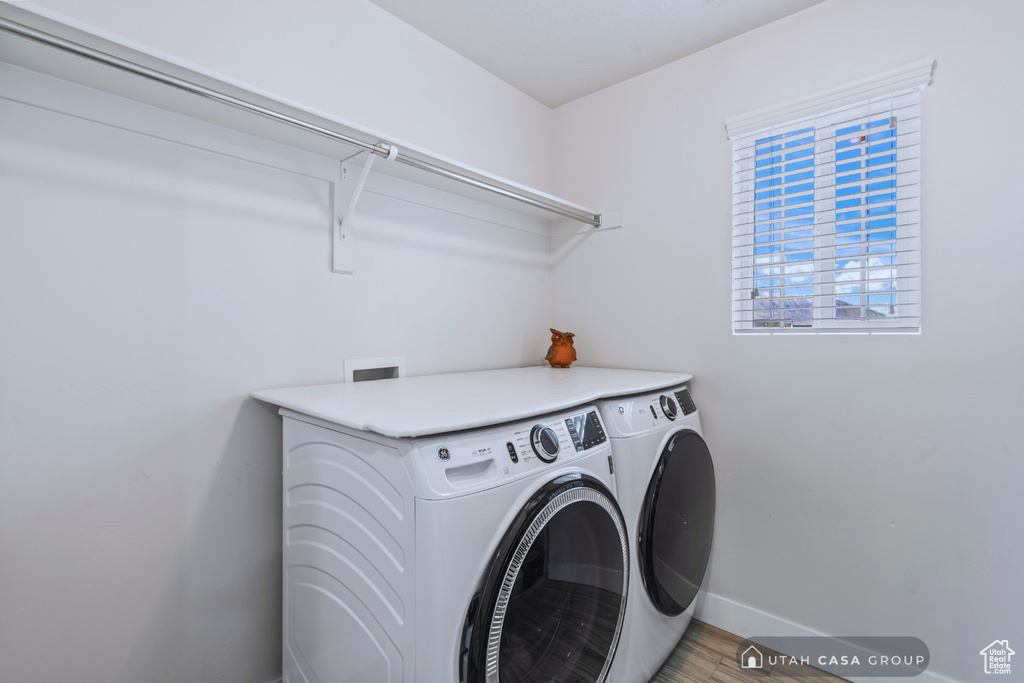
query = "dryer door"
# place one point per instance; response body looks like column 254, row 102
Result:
column 676, row 523
column 551, row 606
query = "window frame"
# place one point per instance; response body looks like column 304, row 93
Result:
column 859, row 102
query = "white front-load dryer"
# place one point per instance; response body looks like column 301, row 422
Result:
column 491, row 555
column 666, row 490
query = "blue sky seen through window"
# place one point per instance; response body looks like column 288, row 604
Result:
column 863, row 272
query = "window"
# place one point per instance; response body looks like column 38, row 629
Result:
column 826, row 211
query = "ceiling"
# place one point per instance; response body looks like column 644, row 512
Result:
column 559, row 50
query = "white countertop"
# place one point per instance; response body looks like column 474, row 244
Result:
column 434, row 404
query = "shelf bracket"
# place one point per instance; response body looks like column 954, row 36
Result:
column 342, row 237
column 345, row 222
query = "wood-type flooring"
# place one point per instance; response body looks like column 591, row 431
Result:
column 706, row 653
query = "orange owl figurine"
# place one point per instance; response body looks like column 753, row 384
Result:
column 561, row 353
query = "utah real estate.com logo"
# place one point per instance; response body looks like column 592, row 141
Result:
column 997, row 657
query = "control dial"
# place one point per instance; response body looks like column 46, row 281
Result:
column 544, row 442
column 668, row 406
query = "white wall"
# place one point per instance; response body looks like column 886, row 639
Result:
column 867, row 486
column 147, row 285
column 348, row 58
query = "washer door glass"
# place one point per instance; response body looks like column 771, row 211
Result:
column 551, row 607
column 676, row 523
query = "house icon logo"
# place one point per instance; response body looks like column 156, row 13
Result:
column 997, row 657
column 751, row 658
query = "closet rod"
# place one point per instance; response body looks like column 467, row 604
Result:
column 381, row 150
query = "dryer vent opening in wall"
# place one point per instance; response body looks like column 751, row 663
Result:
column 368, row 369
column 370, row 374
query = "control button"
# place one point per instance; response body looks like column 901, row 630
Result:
column 512, row 452
column 444, row 454
column 544, row 442
column 570, row 424
column 595, row 422
column 669, row 407
column 654, row 411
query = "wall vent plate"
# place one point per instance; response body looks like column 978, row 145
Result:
column 368, row 369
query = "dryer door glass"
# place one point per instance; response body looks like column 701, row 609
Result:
column 676, row 523
column 551, row 608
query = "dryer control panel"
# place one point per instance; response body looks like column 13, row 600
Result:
column 464, row 462
column 631, row 415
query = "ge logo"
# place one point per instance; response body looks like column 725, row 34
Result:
column 444, row 454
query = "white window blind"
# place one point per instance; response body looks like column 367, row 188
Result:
column 826, row 220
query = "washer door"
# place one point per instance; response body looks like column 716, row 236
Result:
column 676, row 523
column 551, row 606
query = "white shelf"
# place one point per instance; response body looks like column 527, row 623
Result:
column 408, row 407
column 183, row 95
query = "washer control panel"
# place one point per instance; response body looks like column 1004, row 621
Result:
column 462, row 462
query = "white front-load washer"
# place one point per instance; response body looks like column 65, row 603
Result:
column 666, row 490
column 480, row 556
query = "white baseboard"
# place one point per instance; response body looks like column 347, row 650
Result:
column 748, row 622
